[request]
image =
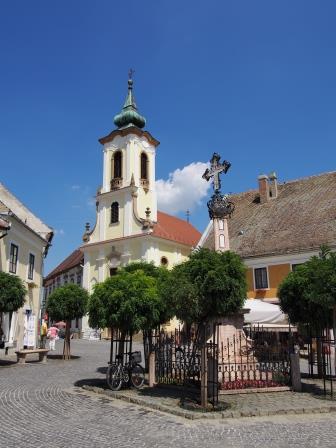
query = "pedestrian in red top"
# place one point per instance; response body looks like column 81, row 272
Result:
column 52, row 335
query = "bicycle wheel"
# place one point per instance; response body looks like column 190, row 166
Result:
column 114, row 377
column 137, row 376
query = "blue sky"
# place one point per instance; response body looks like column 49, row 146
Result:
column 252, row 80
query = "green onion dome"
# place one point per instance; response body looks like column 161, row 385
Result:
column 129, row 115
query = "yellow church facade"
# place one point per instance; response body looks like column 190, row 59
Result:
column 128, row 225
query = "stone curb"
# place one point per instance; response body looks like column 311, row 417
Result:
column 208, row 415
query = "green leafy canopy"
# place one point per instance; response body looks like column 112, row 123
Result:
column 12, row 292
column 67, row 302
column 129, row 300
column 308, row 294
column 209, row 284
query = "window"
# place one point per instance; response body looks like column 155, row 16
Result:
column 221, row 241
column 260, row 278
column 31, row 264
column 79, row 281
column 72, row 278
column 113, row 271
column 114, row 212
column 117, row 162
column 13, row 258
column 143, row 168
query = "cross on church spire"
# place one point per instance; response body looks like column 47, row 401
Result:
column 216, row 168
column 130, row 73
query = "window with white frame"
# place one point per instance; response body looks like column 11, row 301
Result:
column 260, row 278
column 31, row 264
column 13, row 258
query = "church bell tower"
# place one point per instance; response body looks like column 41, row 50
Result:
column 126, row 202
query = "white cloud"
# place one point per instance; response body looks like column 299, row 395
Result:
column 59, row 232
column 75, row 187
column 184, row 188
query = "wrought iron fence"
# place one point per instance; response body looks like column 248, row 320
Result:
column 121, row 346
column 177, row 357
column 318, row 357
column 253, row 358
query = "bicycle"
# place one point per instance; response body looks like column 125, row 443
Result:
column 130, row 373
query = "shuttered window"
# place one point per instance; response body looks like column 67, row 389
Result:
column 260, row 278
column 13, row 258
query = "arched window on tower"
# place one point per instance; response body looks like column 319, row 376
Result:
column 144, row 182
column 117, row 165
column 144, row 166
column 114, row 212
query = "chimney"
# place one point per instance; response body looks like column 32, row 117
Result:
column 264, row 190
column 273, row 185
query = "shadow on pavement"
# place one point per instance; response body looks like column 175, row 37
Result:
column 5, row 362
column 61, row 357
column 170, row 392
column 102, row 370
column 96, row 382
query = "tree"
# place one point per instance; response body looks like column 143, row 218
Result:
column 209, row 284
column 161, row 275
column 12, row 294
column 64, row 304
column 128, row 301
column 308, row 296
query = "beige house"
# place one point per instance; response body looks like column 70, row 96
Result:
column 24, row 243
column 278, row 226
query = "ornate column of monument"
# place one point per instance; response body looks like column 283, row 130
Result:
column 219, row 206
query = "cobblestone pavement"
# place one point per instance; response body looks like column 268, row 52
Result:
column 40, row 406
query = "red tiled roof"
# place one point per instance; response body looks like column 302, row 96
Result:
column 175, row 229
column 71, row 261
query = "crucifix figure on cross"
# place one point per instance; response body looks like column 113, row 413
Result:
column 216, row 168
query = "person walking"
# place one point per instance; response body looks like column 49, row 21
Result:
column 52, row 335
column 44, row 331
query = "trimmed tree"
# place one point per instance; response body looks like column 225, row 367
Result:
column 128, row 301
column 64, row 304
column 208, row 285
column 308, row 295
column 12, row 294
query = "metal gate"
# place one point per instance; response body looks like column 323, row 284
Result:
column 318, row 358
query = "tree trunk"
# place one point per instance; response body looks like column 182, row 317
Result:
column 66, row 347
column 148, row 346
column 319, row 356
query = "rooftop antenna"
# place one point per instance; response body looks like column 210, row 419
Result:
column 188, row 215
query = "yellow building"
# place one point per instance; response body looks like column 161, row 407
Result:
column 128, row 225
column 24, row 243
column 279, row 226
